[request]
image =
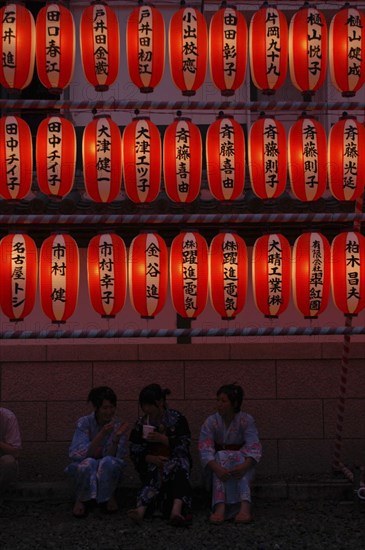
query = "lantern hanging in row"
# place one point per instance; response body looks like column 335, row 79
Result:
column 142, row 160
column 55, row 47
column 311, row 274
column 228, row 274
column 271, row 273
column 182, row 160
column 16, row 158
column 225, row 154
column 107, row 274
column 100, row 45
column 59, row 277
column 346, row 159
column 19, row 268
column 17, row 46
column 145, row 47
column 189, row 274
column 308, row 50
column 56, row 156
column 307, row 159
column 347, row 275
column 228, row 49
column 101, row 155
column 346, row 50
column 268, row 49
column 148, row 274
column 188, row 47
column 267, row 157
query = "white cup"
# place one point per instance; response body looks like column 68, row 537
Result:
column 147, row 429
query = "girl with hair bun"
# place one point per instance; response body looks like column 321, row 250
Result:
column 229, row 449
column 159, row 449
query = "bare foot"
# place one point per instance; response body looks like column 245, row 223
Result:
column 216, row 518
column 79, row 509
column 135, row 515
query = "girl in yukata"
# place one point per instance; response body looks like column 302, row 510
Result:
column 229, row 449
column 97, row 453
column 159, row 449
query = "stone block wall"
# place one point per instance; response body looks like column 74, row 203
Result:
column 291, row 389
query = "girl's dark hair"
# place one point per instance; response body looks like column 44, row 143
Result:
column 151, row 394
column 234, row 392
column 97, row 395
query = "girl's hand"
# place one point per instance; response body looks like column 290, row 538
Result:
column 238, row 471
column 222, row 473
column 158, row 461
column 156, row 437
column 121, row 429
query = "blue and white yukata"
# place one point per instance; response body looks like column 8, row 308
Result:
column 95, row 477
column 214, row 436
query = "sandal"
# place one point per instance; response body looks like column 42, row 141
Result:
column 135, row 516
column 216, row 519
column 180, row 521
column 243, row 517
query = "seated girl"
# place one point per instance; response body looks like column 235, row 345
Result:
column 229, row 449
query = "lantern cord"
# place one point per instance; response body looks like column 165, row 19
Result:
column 177, row 219
column 344, row 366
column 183, row 332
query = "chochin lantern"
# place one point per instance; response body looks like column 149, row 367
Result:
column 56, row 156
column 148, row 272
column 182, row 160
column 189, row 274
column 267, row 158
column 307, row 159
column 228, row 274
column 146, row 47
column 228, row 49
column 101, row 156
column 188, row 45
column 225, row 153
column 100, row 45
column 346, row 55
column 16, row 158
column 59, row 277
column 142, row 160
column 308, row 50
column 107, row 274
column 311, row 274
column 346, row 159
column 268, row 48
column 17, row 46
column 18, row 268
column 55, row 47
column 271, row 274
column 347, row 272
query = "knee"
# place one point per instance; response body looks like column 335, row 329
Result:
column 8, row 461
column 110, row 463
column 86, row 466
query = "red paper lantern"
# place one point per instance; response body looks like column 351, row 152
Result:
column 102, row 159
column 307, row 159
column 16, row 158
column 17, row 46
column 346, row 159
column 268, row 48
column 348, row 272
column 346, row 50
column 107, row 274
column 189, row 274
column 228, row 49
column 148, row 272
column 182, row 160
column 59, row 277
column 188, row 46
column 267, row 158
column 308, row 50
column 18, row 268
column 228, row 274
column 271, row 274
column 100, row 45
column 142, row 160
column 146, row 47
column 55, row 47
column 225, row 153
column 311, row 274
column 56, row 156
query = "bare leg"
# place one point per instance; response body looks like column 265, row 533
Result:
column 244, row 515
column 217, row 516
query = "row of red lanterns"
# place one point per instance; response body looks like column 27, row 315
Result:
column 193, row 268
column 305, row 154
column 304, row 45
